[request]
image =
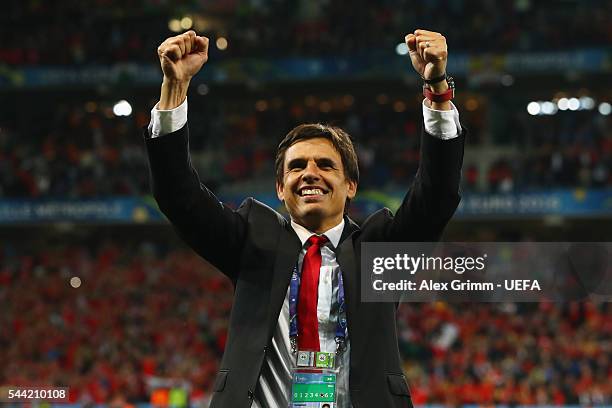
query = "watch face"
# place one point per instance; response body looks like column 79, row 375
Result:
column 428, row 82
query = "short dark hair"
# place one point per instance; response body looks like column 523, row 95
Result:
column 338, row 137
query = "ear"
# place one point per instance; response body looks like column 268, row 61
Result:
column 352, row 189
column 280, row 191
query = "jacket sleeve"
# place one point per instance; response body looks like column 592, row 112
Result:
column 434, row 194
column 209, row 227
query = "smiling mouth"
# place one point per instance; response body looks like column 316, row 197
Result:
column 311, row 192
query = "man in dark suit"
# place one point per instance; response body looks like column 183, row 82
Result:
column 318, row 249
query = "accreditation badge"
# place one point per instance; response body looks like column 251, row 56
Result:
column 313, row 381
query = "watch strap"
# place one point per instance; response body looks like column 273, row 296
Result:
column 434, row 80
column 441, row 97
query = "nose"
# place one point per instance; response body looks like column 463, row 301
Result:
column 311, row 172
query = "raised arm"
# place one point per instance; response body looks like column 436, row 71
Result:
column 213, row 230
column 434, row 195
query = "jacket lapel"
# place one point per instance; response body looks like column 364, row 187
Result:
column 289, row 247
column 347, row 259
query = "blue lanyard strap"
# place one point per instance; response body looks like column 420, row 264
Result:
column 341, row 324
column 294, row 290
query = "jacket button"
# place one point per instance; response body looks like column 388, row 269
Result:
column 251, row 395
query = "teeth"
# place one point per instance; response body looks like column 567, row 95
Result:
column 314, row 191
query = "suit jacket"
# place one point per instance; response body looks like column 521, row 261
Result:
column 256, row 248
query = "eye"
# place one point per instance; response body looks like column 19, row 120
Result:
column 326, row 164
column 296, row 165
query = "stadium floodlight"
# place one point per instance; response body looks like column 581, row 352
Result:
column 75, row 282
column 221, row 43
column 605, row 108
column 563, row 104
column 573, row 104
column 549, row 108
column 174, row 25
column 534, row 108
column 587, row 103
column 122, row 108
column 186, row 23
column 401, row 49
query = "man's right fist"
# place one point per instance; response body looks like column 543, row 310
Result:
column 181, row 57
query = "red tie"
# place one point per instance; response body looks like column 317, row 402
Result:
column 308, row 323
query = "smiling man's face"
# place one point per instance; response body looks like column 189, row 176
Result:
column 315, row 187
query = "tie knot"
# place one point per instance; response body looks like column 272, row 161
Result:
column 317, row 240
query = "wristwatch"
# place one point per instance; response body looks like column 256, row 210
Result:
column 441, row 97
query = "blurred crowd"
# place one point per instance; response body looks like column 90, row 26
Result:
column 521, row 354
column 565, row 150
column 134, row 316
column 74, row 153
column 82, row 150
column 141, row 315
column 109, row 31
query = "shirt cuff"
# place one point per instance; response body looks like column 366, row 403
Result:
column 167, row 121
column 443, row 124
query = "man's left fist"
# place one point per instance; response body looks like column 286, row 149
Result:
column 428, row 53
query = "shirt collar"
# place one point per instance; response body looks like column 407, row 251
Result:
column 333, row 234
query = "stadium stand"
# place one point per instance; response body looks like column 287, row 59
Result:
column 72, row 32
column 122, row 313
column 86, row 151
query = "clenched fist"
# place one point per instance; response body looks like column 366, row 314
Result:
column 428, row 53
column 182, row 56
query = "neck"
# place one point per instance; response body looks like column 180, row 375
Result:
column 317, row 225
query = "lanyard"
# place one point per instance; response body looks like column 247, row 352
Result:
column 294, row 290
